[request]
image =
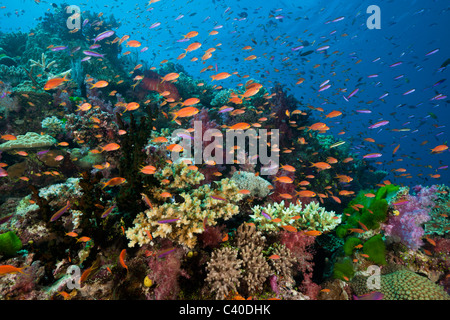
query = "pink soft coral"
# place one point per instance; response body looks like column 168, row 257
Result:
column 406, row 226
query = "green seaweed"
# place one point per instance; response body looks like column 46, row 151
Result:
column 344, row 269
column 9, row 243
column 350, row 244
column 375, row 249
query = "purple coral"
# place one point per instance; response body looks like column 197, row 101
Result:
column 406, row 226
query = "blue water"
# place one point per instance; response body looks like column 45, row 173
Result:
column 409, row 30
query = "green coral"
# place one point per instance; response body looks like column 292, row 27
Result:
column 9, row 243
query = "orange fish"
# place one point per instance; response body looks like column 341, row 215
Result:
column 289, row 228
column 148, row 169
column 110, row 147
column 306, row 194
column 174, row 148
column 6, row 269
column 313, row 233
column 83, row 239
column 333, row 114
column 274, row 256
column 55, row 82
column 186, row 112
column 221, row 76
column 114, row 182
column 8, row 137
column 240, row 126
column 133, row 44
column 121, row 259
column 439, row 148
column 284, row 179
column 321, row 165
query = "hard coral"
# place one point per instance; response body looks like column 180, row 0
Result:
column 402, row 285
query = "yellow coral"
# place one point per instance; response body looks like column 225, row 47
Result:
column 198, row 204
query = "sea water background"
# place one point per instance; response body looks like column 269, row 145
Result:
column 409, row 30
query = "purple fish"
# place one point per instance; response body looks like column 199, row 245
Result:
column 5, row 219
column 60, row 212
column 185, row 136
column 168, row 220
column 3, row 95
column 218, row 27
column 322, row 48
column 431, row 52
column 144, row 49
column 184, row 40
column 85, row 22
column 108, row 211
column 266, row 215
column 395, row 64
column 353, row 93
column 372, row 76
column 442, row 167
column 103, row 35
column 375, row 295
column 409, row 92
column 372, row 155
column 85, row 59
column 166, row 253
column 383, row 96
column 156, row 24
column 59, row 48
column 218, row 198
column 399, row 77
column 324, row 87
column 338, row 19
column 94, row 46
column 379, row 124
column 42, row 152
column 363, row 111
column 226, row 110
column 297, row 48
column 93, row 54
column 179, row 17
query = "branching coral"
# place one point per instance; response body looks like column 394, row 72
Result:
column 186, row 219
column 224, row 272
column 311, row 217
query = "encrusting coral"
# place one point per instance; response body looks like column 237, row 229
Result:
column 257, row 186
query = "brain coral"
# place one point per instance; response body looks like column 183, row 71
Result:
column 402, row 285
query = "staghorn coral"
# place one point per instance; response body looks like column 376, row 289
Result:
column 199, row 204
column 402, row 285
column 311, row 217
column 224, row 272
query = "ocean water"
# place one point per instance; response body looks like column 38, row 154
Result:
column 374, row 74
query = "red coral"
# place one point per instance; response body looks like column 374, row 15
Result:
column 165, row 271
column 211, row 237
column 300, row 246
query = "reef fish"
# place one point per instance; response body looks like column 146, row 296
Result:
column 60, row 212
